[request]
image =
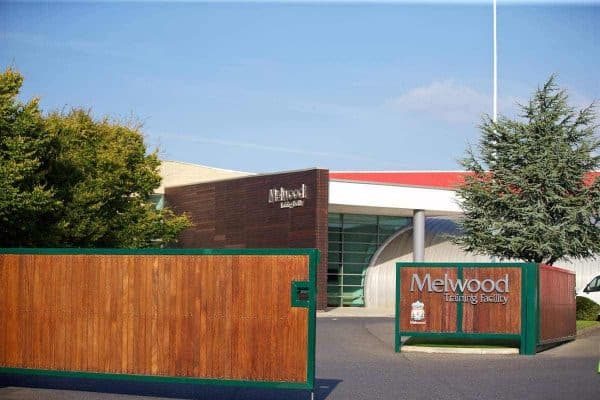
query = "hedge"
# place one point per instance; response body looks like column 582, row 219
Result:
column 587, row 309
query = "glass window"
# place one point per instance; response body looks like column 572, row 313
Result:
column 594, row 285
column 353, row 239
column 352, row 219
column 334, row 256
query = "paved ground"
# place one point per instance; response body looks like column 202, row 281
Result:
column 355, row 360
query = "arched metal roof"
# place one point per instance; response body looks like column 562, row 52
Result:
column 380, row 279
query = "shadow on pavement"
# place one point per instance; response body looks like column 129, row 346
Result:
column 323, row 388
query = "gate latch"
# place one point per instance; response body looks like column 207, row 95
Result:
column 301, row 294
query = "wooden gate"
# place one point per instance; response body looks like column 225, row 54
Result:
column 229, row 317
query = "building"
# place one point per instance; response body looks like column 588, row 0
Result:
column 362, row 222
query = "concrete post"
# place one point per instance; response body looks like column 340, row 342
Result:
column 418, row 235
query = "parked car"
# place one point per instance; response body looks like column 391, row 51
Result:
column 592, row 290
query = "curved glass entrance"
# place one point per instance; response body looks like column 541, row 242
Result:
column 353, row 239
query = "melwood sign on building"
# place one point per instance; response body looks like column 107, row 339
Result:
column 288, row 198
column 530, row 303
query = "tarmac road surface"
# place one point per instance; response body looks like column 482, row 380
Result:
column 356, row 360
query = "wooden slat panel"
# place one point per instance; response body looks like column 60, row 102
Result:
column 73, row 310
column 557, row 303
column 38, row 323
column 440, row 315
column 94, row 363
column 14, row 338
column 227, row 317
column 219, row 308
column 494, row 317
column 162, row 331
column 31, row 302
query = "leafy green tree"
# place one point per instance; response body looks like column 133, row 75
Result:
column 25, row 151
column 529, row 195
column 86, row 182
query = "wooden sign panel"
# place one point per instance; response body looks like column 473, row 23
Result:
column 212, row 316
column 459, row 299
column 557, row 304
column 496, row 311
column 432, row 313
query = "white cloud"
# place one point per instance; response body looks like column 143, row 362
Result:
column 270, row 148
column 80, row 46
column 326, row 109
column 455, row 103
column 447, row 101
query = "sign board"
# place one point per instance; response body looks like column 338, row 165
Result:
column 288, row 198
column 463, row 300
column 228, row 317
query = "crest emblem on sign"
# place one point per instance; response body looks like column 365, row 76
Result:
column 417, row 313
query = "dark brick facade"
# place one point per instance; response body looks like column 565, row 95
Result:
column 236, row 213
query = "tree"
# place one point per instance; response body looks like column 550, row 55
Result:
column 25, row 151
column 529, row 194
column 94, row 179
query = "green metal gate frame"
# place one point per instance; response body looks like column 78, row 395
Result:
column 305, row 288
column 530, row 310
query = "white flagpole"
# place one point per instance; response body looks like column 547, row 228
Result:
column 495, row 62
column 495, row 79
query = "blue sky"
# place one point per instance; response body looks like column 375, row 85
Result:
column 270, row 86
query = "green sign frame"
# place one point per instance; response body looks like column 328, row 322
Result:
column 530, row 310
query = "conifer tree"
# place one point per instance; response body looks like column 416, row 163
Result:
column 529, row 194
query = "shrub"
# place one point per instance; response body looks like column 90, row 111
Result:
column 587, row 309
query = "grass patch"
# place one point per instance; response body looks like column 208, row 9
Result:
column 424, row 341
column 586, row 324
column 465, row 343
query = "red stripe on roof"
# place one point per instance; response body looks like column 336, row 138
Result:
column 441, row 180
column 591, row 177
